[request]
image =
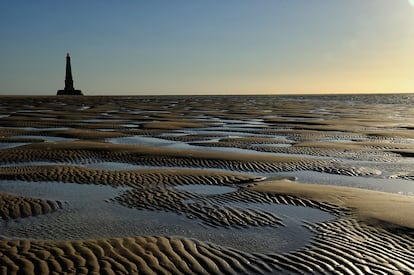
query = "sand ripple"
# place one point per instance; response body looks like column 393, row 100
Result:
column 146, row 255
column 343, row 246
column 194, row 206
column 13, row 207
column 76, row 152
column 366, row 153
column 136, row 178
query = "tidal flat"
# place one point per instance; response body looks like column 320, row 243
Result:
column 207, row 184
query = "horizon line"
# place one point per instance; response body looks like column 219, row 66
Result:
column 206, row 93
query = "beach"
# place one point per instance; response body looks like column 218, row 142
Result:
column 207, row 184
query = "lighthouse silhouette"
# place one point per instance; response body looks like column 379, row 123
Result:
column 69, row 89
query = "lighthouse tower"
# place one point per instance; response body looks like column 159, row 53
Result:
column 69, row 89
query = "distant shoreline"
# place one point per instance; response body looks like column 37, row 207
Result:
column 228, row 95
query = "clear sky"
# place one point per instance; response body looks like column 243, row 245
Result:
column 207, row 46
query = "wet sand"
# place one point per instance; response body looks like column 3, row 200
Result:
column 163, row 153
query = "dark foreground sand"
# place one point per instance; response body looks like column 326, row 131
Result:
column 358, row 241
column 372, row 233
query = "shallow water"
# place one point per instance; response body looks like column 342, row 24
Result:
column 87, row 214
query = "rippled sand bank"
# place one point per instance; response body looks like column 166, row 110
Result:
column 149, row 151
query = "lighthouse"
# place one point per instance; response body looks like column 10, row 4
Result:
column 69, row 89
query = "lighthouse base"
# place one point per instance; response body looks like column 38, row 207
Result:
column 69, row 92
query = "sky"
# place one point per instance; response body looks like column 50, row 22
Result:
column 137, row 47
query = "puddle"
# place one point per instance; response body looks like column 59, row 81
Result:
column 130, row 125
column 11, row 145
column 142, row 140
column 47, row 138
column 87, row 214
column 206, row 189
